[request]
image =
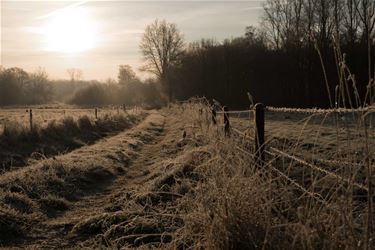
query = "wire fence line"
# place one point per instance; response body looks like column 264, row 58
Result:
column 275, row 152
column 236, row 112
column 319, row 169
column 337, row 163
column 314, row 160
column 316, row 196
column 42, row 116
column 278, row 152
column 316, row 110
column 303, row 111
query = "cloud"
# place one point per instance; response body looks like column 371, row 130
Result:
column 71, row 6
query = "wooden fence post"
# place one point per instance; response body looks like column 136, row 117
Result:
column 226, row 121
column 213, row 117
column 259, row 133
column 31, row 119
column 96, row 113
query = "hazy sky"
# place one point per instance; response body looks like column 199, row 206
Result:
column 97, row 36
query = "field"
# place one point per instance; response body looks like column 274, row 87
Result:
column 321, row 136
column 55, row 130
column 170, row 179
column 44, row 114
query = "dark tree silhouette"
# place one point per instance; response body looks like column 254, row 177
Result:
column 278, row 62
column 162, row 47
column 19, row 87
column 126, row 74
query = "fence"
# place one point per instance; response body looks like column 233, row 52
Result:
column 40, row 115
column 262, row 150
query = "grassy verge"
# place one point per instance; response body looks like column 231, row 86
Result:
column 21, row 146
column 33, row 195
column 210, row 195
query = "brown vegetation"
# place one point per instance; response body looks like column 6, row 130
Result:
column 183, row 184
column 20, row 145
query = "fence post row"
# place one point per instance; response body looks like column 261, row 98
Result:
column 259, row 133
column 213, row 111
column 226, row 121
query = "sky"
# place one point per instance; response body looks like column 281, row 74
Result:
column 98, row 36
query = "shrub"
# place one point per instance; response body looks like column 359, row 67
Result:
column 84, row 122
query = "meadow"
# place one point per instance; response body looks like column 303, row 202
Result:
column 56, row 129
column 43, row 114
column 173, row 180
column 203, row 165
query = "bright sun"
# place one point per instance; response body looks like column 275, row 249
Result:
column 70, row 31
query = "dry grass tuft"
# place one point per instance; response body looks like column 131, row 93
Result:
column 12, row 225
column 205, row 191
column 84, row 122
column 52, row 205
column 100, row 223
column 49, row 188
column 19, row 202
column 213, row 196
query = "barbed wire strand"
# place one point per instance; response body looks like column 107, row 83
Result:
column 302, row 111
column 236, row 112
column 324, row 161
column 315, row 110
column 316, row 196
column 337, row 163
column 282, row 153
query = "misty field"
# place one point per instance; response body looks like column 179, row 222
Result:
column 170, row 179
column 36, row 132
column 218, row 125
column 43, row 114
column 323, row 136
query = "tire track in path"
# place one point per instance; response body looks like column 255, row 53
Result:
column 55, row 233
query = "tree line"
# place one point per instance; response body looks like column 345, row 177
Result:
column 18, row 87
column 127, row 90
column 302, row 54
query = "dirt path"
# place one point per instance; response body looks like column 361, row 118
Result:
column 55, row 233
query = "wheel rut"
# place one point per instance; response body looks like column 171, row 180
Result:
column 55, row 233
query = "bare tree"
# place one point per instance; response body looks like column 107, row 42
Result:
column 74, row 74
column 126, row 74
column 283, row 20
column 272, row 22
column 162, row 46
column 351, row 22
column 366, row 13
column 39, row 89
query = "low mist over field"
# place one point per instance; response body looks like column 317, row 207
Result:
column 187, row 124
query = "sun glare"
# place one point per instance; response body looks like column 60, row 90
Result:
column 70, row 31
